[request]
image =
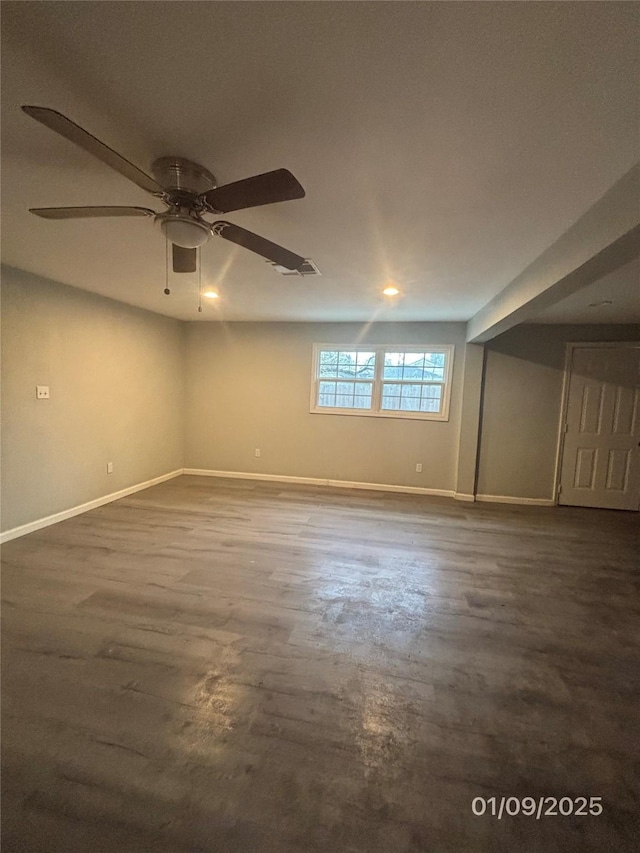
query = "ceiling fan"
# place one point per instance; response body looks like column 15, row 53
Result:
column 188, row 190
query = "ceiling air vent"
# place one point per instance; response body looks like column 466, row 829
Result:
column 307, row 268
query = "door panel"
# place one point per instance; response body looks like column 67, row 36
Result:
column 601, row 457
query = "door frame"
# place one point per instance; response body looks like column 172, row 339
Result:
column 568, row 361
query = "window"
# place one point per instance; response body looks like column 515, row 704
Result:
column 391, row 382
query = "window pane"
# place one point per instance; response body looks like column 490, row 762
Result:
column 345, row 395
column 414, row 365
column 411, row 397
column 391, row 397
column 347, row 364
column 347, row 371
column 410, row 404
column 363, row 402
column 392, row 372
column 389, row 390
column 343, row 401
column 411, row 371
column 431, row 399
column 434, row 373
column 390, row 403
column 327, row 394
column 392, row 367
column 432, row 391
column 366, row 364
column 328, row 363
column 429, row 405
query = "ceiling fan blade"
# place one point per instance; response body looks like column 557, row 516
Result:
column 74, row 133
column 279, row 185
column 88, row 212
column 255, row 243
column 184, row 260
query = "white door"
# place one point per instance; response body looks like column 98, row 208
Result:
column 601, row 452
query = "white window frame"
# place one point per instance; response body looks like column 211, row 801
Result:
column 377, row 381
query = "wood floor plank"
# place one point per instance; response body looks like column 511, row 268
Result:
column 231, row 666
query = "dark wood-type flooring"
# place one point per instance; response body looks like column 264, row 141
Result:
column 240, row 667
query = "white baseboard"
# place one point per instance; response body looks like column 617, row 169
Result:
column 508, row 499
column 39, row 523
column 315, row 481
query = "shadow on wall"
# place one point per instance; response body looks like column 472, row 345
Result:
column 545, row 344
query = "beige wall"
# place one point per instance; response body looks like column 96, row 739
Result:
column 116, row 376
column 248, row 386
column 138, row 389
column 521, row 405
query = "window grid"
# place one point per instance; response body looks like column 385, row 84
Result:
column 357, row 391
column 423, row 396
column 382, row 381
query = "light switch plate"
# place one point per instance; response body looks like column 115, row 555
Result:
column 42, row 392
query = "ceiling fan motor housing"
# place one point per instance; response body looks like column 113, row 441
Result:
column 177, row 175
column 183, row 182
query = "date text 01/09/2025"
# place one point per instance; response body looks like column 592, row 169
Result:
column 537, row 807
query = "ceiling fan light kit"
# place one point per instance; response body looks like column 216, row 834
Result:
column 183, row 183
column 189, row 191
column 184, row 231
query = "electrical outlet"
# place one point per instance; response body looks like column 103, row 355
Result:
column 109, row 467
column 42, row 392
column 419, row 467
column 257, row 451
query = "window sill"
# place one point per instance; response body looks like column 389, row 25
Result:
column 403, row 416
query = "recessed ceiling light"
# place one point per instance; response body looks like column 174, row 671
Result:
column 391, row 291
column 211, row 294
column 599, row 304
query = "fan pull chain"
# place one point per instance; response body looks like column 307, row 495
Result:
column 199, row 280
column 166, row 268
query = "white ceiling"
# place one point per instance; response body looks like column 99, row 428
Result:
column 443, row 145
